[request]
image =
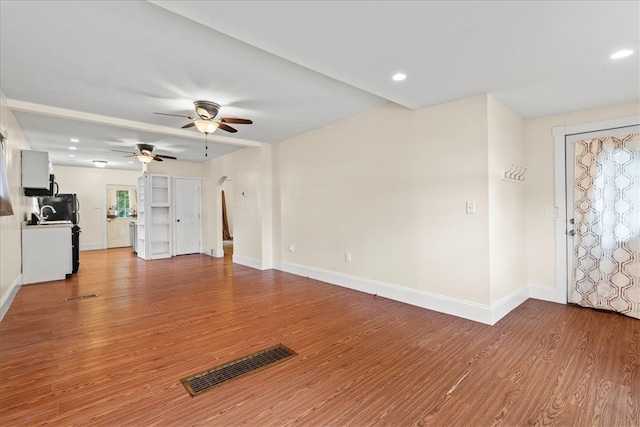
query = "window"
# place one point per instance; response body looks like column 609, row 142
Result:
column 123, row 204
column 121, row 201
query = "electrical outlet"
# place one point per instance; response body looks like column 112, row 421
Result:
column 551, row 212
column 347, row 257
column 471, row 207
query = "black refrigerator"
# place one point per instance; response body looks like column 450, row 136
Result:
column 67, row 208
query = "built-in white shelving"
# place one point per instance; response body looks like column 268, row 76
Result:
column 154, row 228
column 141, row 247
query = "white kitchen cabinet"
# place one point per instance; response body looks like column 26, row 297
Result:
column 46, row 252
column 35, row 169
column 154, row 217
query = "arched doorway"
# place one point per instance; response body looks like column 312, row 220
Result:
column 224, row 217
column 227, row 205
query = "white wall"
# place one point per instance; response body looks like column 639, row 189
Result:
column 507, row 223
column 10, row 226
column 175, row 168
column 389, row 186
column 244, row 168
column 90, row 185
column 539, row 194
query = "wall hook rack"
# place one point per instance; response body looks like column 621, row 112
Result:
column 514, row 174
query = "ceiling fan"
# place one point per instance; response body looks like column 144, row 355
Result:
column 145, row 154
column 206, row 121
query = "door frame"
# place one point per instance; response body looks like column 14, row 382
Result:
column 560, row 133
column 106, row 184
column 218, row 252
column 174, row 228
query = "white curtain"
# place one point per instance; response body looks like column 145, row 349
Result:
column 133, row 201
column 607, row 224
column 111, row 201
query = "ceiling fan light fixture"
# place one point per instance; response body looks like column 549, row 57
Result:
column 144, row 158
column 100, row 163
column 206, row 126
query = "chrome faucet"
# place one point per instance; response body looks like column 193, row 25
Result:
column 42, row 211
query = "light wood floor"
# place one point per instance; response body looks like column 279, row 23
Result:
column 117, row 359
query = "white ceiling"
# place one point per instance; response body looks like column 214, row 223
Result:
column 97, row 71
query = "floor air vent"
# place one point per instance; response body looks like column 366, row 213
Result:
column 80, row 297
column 204, row 381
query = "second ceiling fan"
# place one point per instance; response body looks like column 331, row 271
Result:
column 206, row 121
column 145, row 154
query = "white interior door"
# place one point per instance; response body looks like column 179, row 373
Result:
column 118, row 233
column 187, row 209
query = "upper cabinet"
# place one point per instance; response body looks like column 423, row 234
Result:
column 35, row 169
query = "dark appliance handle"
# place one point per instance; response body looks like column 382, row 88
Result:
column 55, row 193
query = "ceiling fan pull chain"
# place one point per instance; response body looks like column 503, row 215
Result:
column 206, row 145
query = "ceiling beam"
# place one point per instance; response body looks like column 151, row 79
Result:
column 46, row 110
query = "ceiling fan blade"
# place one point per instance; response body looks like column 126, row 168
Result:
column 188, row 125
column 120, row 151
column 227, row 128
column 174, row 115
column 236, row 121
column 166, row 157
column 157, row 158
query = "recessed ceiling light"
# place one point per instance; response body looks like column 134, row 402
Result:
column 399, row 77
column 73, row 148
column 74, row 140
column 72, row 155
column 100, row 163
column 129, row 161
column 622, row 54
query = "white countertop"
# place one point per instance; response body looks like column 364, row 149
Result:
column 26, row 226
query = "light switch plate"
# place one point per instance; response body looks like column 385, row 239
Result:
column 471, row 207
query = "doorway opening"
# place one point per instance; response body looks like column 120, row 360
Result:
column 227, row 205
column 121, row 212
column 225, row 232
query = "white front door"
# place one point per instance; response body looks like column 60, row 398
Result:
column 570, row 157
column 187, row 208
